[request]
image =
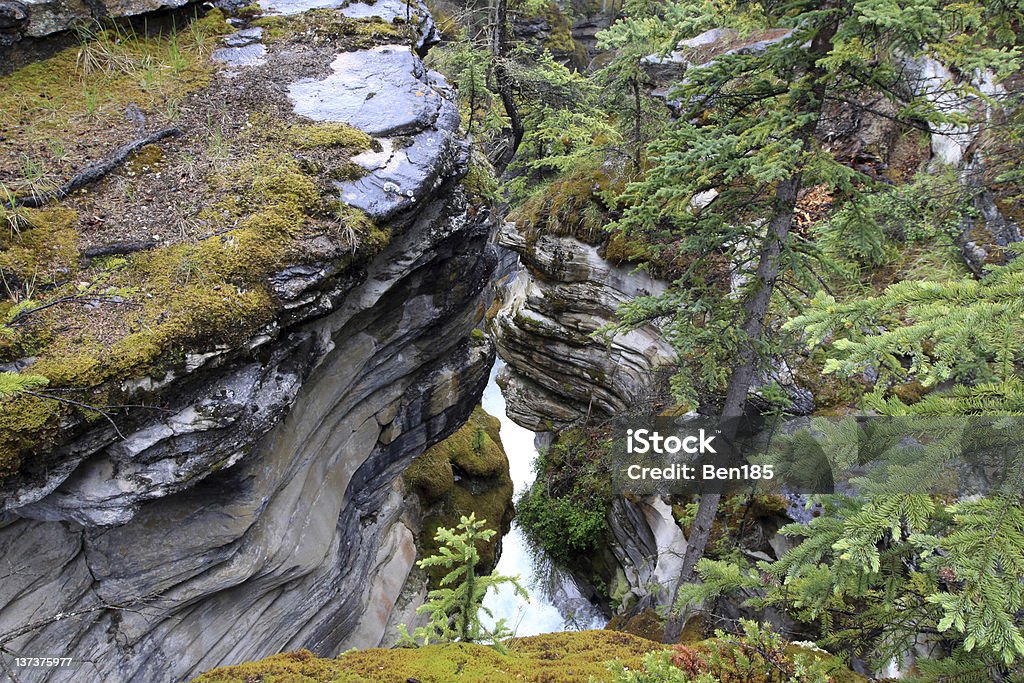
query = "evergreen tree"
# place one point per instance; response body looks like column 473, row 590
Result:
column 726, row 177
column 967, row 331
column 455, row 607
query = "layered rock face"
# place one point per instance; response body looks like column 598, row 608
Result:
column 261, row 510
column 556, row 371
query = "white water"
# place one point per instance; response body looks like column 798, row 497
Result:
column 538, row 614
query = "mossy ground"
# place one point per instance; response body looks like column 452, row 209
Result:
column 58, row 114
column 577, row 657
column 566, row 657
column 476, row 455
column 244, row 191
column 326, row 26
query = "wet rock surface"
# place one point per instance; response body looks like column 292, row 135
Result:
column 383, row 91
column 252, row 54
column 388, row 93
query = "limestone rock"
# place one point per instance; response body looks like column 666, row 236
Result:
column 259, row 511
column 556, row 371
column 45, row 17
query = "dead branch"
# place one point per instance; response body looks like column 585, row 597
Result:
column 93, row 172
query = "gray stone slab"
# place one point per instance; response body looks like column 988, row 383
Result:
column 383, row 91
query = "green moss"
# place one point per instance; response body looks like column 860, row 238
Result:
column 568, row 206
column 485, row 487
column 275, row 27
column 647, row 624
column 249, row 11
column 79, row 95
column 348, row 172
column 308, row 136
column 560, row 40
column 37, row 246
column 146, row 160
column 327, row 25
column 577, row 657
column 22, row 420
column 431, row 475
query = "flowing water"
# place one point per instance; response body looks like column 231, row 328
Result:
column 555, row 603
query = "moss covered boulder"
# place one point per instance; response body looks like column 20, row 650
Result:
column 466, row 473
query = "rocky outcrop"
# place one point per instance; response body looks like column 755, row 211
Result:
column 260, row 509
column 557, row 370
column 985, row 235
column 39, row 18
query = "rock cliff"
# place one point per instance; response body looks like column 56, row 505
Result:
column 558, row 371
column 253, row 504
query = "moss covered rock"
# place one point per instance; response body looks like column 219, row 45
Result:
column 192, row 233
column 567, row 657
column 577, row 657
column 466, row 473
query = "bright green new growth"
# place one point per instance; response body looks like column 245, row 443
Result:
column 455, row 607
column 13, row 383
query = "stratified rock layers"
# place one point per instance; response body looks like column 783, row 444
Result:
column 557, row 370
column 262, row 513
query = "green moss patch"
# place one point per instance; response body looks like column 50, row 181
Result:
column 565, row 657
column 555, row 657
column 574, row 205
column 476, row 454
column 58, row 114
column 323, row 26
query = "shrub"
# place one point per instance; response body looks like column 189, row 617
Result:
column 564, row 511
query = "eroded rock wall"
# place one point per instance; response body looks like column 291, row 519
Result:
column 557, row 371
column 261, row 510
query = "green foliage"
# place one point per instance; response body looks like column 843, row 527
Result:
column 657, row 668
column 560, row 108
column 756, row 654
column 745, row 126
column 869, row 230
column 14, row 383
column 564, row 511
column 963, row 330
column 877, row 572
column 455, row 607
column 903, row 554
column 483, row 488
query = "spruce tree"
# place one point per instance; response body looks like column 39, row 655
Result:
column 746, row 138
column 455, row 607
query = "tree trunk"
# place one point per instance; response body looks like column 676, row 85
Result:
column 638, row 113
column 504, row 87
column 756, row 309
column 755, row 312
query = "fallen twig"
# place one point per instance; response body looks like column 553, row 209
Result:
column 93, row 172
column 117, row 249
